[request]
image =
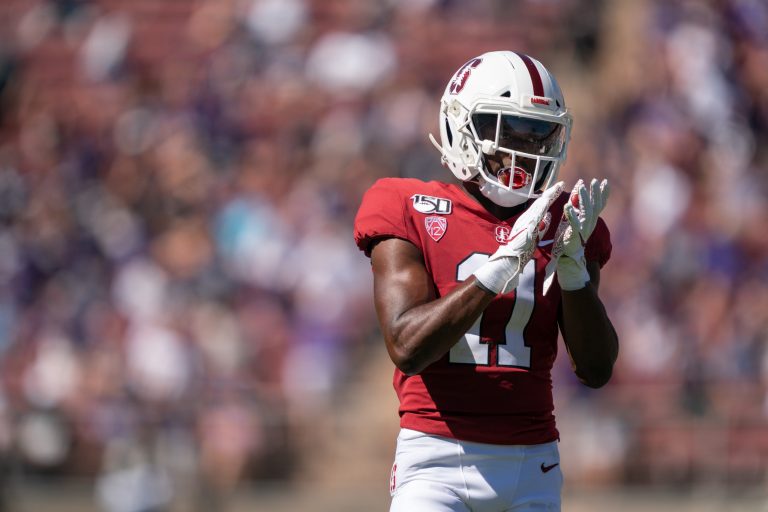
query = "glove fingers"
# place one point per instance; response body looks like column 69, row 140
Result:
column 574, row 196
column 541, row 205
column 577, row 187
column 572, row 217
column 576, row 228
column 599, row 192
column 585, row 202
column 588, row 213
column 543, row 224
column 596, row 193
column 605, row 191
column 591, row 201
column 552, row 193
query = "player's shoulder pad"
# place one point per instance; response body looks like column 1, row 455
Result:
column 382, row 212
column 402, row 185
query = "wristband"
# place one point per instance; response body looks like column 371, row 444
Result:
column 498, row 276
column 572, row 273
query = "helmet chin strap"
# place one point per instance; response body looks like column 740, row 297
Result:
column 500, row 196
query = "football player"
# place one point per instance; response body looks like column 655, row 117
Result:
column 474, row 279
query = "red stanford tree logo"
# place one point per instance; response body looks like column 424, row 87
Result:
column 462, row 75
column 503, row 233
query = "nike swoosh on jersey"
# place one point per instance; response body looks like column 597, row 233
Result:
column 545, row 243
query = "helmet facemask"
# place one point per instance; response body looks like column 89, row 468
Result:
column 519, row 156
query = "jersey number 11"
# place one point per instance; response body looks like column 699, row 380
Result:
column 503, row 321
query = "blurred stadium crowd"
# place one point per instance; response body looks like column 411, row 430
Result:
column 181, row 302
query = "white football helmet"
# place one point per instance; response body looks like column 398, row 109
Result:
column 504, row 106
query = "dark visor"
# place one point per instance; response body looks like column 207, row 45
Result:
column 535, row 136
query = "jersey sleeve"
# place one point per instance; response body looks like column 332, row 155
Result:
column 599, row 244
column 382, row 214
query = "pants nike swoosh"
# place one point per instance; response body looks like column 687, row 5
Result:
column 546, row 469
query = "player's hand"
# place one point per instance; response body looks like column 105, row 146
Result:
column 580, row 218
column 501, row 273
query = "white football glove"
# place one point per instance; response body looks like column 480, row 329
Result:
column 580, row 216
column 502, row 271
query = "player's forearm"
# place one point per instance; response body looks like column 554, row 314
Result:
column 590, row 337
column 424, row 333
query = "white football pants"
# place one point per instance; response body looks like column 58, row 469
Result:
column 438, row 474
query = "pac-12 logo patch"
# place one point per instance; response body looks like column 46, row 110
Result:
column 436, row 227
column 429, row 204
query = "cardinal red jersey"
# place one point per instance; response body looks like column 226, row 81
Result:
column 494, row 385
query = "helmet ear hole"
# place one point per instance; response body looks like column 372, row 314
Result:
column 506, row 94
column 449, row 133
